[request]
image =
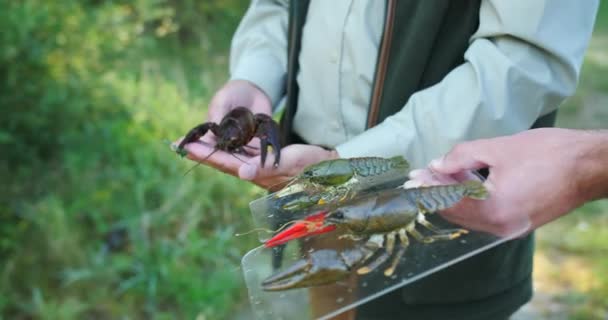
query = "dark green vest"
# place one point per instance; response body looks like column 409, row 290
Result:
column 427, row 41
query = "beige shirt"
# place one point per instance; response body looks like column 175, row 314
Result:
column 522, row 62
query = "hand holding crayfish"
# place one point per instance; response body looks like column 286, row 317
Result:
column 534, row 177
column 238, row 113
column 236, row 130
column 249, row 166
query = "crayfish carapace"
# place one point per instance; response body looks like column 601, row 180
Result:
column 381, row 220
column 339, row 180
column 236, row 129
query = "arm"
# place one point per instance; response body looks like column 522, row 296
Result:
column 535, row 177
column 258, row 58
column 521, row 63
column 257, row 71
column 258, row 52
column 592, row 171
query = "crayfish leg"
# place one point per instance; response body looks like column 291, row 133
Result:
column 405, row 242
column 390, row 244
column 430, row 239
column 425, row 223
column 374, row 264
column 422, row 220
column 198, row 132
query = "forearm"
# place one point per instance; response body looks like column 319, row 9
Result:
column 513, row 73
column 259, row 47
column 592, row 173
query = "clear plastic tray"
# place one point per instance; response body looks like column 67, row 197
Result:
column 418, row 261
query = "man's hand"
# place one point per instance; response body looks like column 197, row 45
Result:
column 293, row 159
column 237, row 93
column 535, row 177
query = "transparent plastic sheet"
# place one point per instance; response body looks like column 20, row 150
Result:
column 419, row 260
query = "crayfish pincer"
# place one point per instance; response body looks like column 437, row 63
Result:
column 236, row 129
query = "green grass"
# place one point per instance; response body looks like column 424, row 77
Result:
column 98, row 219
column 572, row 267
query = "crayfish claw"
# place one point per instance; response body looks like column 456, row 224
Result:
column 196, row 133
column 286, row 279
column 319, row 268
column 268, row 132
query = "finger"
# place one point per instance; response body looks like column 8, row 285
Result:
column 417, row 174
column 459, row 177
column 209, row 138
column 271, row 179
column 464, row 156
column 217, row 159
column 248, row 171
column 253, row 147
column 217, row 112
column 219, row 106
column 412, row 184
column 471, row 214
column 429, row 178
column 253, row 170
column 513, row 230
column 467, row 175
column 486, row 215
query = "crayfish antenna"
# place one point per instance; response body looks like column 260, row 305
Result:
column 191, row 168
column 243, row 161
column 199, row 162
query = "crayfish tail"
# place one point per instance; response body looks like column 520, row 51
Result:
column 475, row 190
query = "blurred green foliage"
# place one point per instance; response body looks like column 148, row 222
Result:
column 96, row 217
column 97, row 220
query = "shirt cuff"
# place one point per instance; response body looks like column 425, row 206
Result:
column 265, row 72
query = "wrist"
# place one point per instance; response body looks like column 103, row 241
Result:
column 243, row 93
column 592, row 168
column 266, row 74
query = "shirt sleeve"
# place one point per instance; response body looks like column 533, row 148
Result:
column 522, row 62
column 259, row 47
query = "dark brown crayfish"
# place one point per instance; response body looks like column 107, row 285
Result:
column 236, row 129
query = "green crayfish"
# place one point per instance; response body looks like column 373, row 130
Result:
column 381, row 220
column 338, row 180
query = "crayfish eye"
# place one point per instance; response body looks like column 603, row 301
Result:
column 338, row 215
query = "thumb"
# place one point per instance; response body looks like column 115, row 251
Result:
column 463, row 157
column 248, row 171
column 252, row 169
column 218, row 108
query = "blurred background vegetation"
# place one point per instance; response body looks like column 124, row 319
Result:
column 97, row 220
